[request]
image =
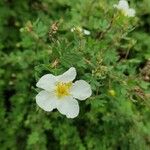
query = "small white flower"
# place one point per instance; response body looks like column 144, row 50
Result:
column 80, row 30
column 123, row 6
column 86, row 32
column 73, row 29
column 61, row 93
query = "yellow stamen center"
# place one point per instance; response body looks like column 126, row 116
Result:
column 124, row 12
column 63, row 89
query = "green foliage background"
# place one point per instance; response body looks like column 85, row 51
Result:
column 114, row 59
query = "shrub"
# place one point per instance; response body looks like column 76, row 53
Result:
column 36, row 39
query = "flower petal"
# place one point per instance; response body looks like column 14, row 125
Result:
column 46, row 101
column 86, row 32
column 131, row 12
column 47, row 82
column 81, row 90
column 69, row 107
column 68, row 76
column 123, row 4
column 73, row 29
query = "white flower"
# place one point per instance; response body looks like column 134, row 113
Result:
column 86, row 32
column 60, row 92
column 123, row 6
column 74, row 29
column 80, row 30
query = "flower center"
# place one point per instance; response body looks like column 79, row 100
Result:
column 63, row 89
column 124, row 12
